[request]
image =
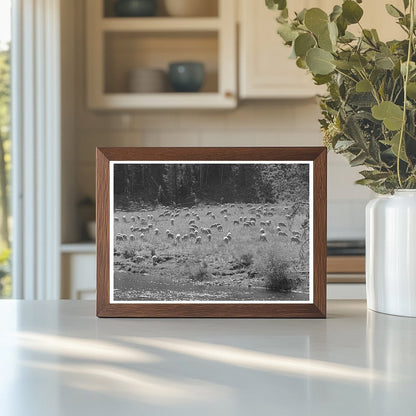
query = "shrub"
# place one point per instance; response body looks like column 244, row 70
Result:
column 246, row 260
column 198, row 272
column 277, row 272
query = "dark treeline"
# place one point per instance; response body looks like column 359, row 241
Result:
column 189, row 184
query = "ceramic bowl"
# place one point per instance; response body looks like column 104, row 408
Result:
column 135, row 8
column 147, row 80
column 191, row 8
column 186, row 76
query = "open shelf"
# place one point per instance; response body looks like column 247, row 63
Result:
column 211, row 9
column 126, row 51
column 119, row 45
column 160, row 24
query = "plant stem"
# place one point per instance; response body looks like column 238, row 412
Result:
column 406, row 80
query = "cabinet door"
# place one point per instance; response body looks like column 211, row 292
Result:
column 265, row 68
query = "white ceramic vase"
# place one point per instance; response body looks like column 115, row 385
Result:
column 391, row 253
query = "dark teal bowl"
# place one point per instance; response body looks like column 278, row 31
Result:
column 186, row 76
column 135, row 8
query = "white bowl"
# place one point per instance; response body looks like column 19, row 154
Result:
column 191, row 8
column 147, row 80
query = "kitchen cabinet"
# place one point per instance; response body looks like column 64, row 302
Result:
column 118, row 45
column 265, row 70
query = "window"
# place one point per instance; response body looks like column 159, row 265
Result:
column 5, row 147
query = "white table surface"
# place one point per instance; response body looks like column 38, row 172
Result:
column 57, row 358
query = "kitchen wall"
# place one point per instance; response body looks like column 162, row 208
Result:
column 253, row 123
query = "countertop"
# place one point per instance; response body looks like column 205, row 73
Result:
column 57, row 358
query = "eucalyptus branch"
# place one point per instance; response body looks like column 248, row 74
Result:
column 406, row 80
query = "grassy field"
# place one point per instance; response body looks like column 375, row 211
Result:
column 212, row 252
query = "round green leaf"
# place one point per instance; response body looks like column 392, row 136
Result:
column 351, row 11
column 411, row 90
column 319, row 61
column 287, row 33
column 316, row 20
column 388, row 112
column 303, row 43
column 363, row 86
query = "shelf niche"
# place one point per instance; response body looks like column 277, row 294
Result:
column 211, row 5
column 126, row 51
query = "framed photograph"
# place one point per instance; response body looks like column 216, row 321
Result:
column 211, row 232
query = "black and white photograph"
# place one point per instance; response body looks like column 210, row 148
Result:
column 211, row 232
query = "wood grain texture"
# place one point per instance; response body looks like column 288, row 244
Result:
column 346, row 264
column 317, row 309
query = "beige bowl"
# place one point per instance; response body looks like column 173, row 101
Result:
column 147, row 80
column 191, row 8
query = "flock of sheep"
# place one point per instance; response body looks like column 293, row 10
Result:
column 199, row 226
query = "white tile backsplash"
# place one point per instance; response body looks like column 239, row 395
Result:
column 258, row 123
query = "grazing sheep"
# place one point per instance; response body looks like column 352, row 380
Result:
column 226, row 240
column 268, row 222
column 178, row 237
column 192, row 235
column 170, row 235
column 156, row 231
column 204, row 230
column 232, row 205
column 229, row 236
column 223, row 211
column 263, row 223
column 278, row 229
column 213, row 226
column 253, row 219
column 262, row 231
column 213, row 216
column 155, row 260
column 282, row 234
column 141, row 236
column 235, row 222
column 253, row 223
column 197, row 217
column 124, row 218
column 132, row 238
column 138, row 259
column 282, row 224
column 209, row 213
column 209, row 237
column 187, row 215
column 172, row 221
column 198, row 240
column 119, row 237
column 191, row 222
column 133, row 219
column 258, row 215
column 185, row 237
column 295, row 240
column 125, row 237
column 289, row 217
column 225, row 218
column 116, row 219
column 263, row 237
column 247, row 224
column 219, row 228
column 241, row 219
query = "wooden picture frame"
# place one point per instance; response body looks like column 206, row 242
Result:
column 108, row 162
